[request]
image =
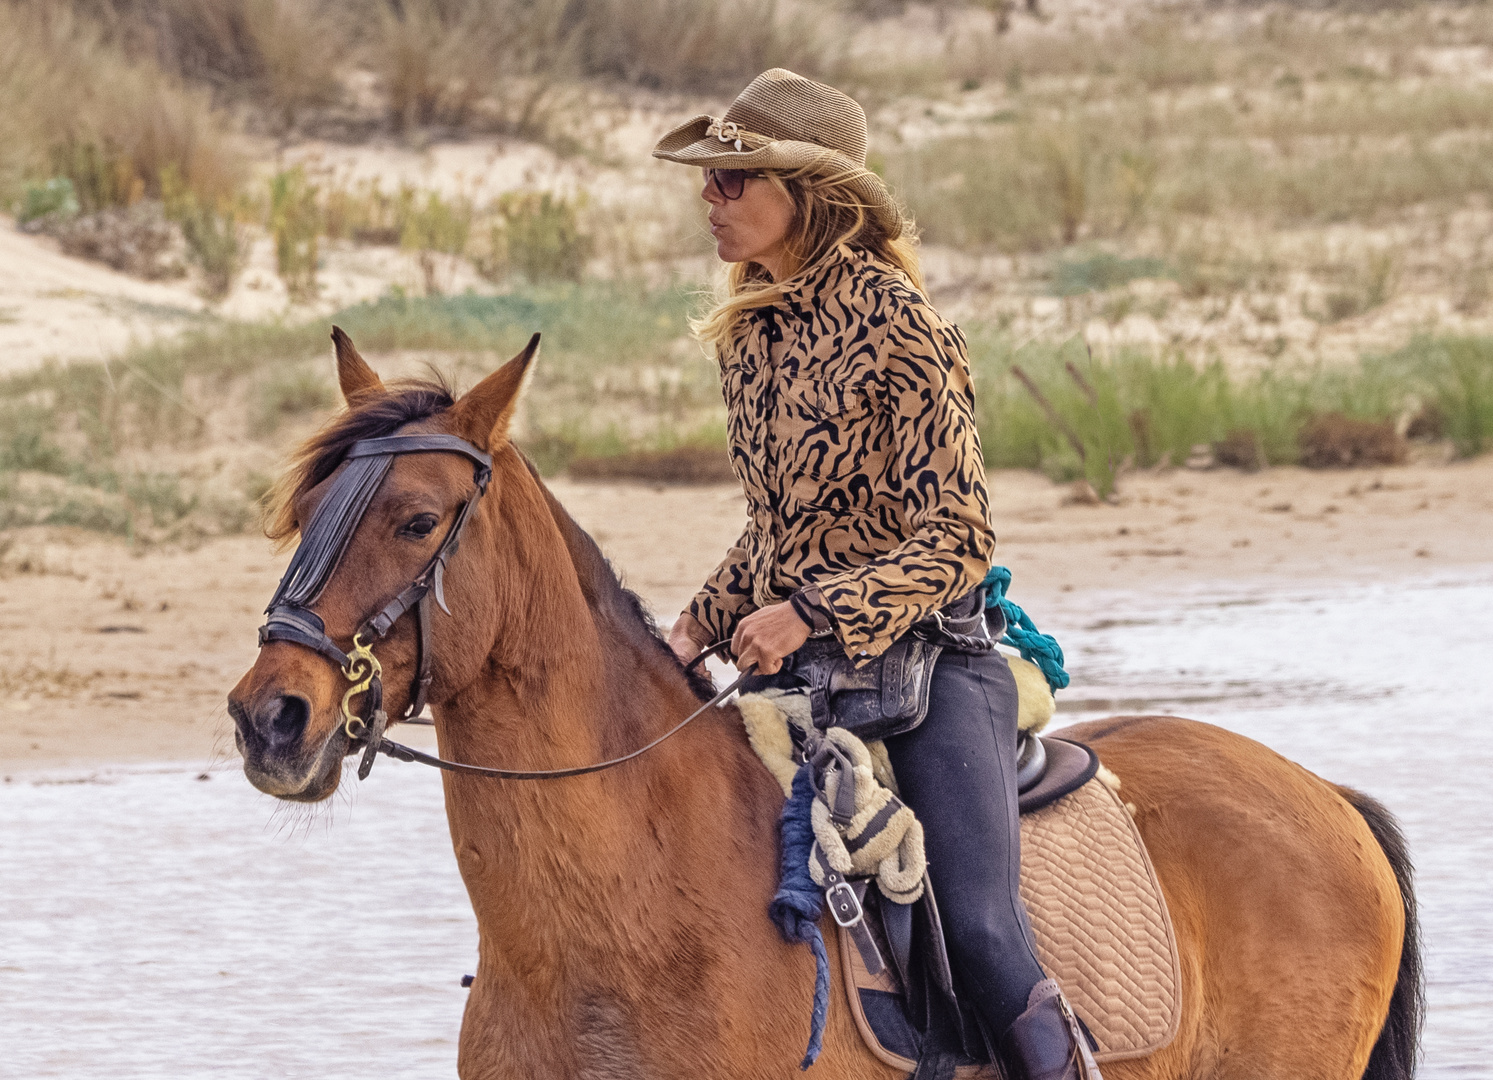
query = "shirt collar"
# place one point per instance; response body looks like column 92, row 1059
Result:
column 813, row 281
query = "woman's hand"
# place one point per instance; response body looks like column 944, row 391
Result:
column 767, row 635
column 687, row 637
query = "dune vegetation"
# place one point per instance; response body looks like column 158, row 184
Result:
column 1217, row 234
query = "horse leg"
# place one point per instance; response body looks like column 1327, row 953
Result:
column 1288, row 914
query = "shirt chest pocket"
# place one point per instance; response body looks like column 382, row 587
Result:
column 824, row 430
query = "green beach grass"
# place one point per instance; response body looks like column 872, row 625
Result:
column 1141, row 409
column 179, row 439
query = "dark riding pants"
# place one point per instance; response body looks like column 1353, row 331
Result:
column 957, row 770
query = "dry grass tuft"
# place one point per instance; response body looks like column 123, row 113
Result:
column 1289, row 117
column 136, row 239
column 73, row 105
column 1335, row 441
column 273, row 53
column 682, row 465
column 1240, row 449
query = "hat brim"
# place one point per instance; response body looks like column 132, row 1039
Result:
column 688, row 144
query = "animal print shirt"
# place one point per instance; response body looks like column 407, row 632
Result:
column 850, row 418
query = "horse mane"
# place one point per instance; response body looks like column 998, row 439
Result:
column 607, row 595
column 317, row 458
column 699, row 681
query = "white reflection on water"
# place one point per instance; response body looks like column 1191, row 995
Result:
column 155, row 925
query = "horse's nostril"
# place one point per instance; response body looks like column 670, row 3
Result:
column 289, row 720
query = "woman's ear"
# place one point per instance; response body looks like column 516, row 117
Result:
column 354, row 375
column 484, row 413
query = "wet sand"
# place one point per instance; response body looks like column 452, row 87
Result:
column 108, row 655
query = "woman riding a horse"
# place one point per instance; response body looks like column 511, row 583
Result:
column 608, row 944
column 851, row 424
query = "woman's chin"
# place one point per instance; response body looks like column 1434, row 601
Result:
column 730, row 252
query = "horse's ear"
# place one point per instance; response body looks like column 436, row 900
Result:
column 484, row 413
column 356, row 378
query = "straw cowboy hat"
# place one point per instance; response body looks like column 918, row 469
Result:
column 786, row 123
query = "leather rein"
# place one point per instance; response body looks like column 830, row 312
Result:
column 324, row 543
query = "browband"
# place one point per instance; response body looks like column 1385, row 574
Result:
column 414, row 444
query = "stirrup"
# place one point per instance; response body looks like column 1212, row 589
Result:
column 1047, row 1042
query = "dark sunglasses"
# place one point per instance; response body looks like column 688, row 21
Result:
column 731, row 182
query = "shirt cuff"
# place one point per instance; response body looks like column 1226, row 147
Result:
column 809, row 605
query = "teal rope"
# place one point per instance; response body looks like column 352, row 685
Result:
column 1041, row 649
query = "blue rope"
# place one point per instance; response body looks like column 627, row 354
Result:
column 799, row 902
column 1041, row 649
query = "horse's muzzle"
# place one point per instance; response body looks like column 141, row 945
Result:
column 270, row 729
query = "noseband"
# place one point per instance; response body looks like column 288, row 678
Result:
column 324, row 543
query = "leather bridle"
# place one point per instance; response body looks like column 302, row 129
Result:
column 323, row 544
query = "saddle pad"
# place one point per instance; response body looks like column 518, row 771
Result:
column 1101, row 925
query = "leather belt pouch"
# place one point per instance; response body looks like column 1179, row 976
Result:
column 885, row 696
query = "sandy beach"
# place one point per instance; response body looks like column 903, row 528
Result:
column 112, row 656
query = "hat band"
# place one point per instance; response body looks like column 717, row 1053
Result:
column 733, row 134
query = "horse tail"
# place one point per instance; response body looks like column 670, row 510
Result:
column 1394, row 1054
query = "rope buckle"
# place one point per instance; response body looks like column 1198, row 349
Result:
column 844, row 905
column 731, row 133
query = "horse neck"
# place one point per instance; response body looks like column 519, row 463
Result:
column 559, row 870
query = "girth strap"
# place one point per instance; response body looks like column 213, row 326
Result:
column 936, row 1065
column 896, row 923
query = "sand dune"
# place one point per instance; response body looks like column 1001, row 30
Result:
column 55, row 307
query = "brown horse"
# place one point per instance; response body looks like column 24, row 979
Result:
column 623, row 914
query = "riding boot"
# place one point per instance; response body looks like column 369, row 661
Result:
column 1045, row 1042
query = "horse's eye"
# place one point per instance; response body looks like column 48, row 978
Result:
column 420, row 526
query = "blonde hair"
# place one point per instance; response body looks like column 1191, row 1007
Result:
column 826, row 215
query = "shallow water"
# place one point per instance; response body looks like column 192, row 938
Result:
column 153, row 924
column 158, row 925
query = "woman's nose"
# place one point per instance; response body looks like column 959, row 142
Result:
column 711, row 195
